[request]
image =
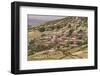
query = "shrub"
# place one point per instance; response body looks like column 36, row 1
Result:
column 43, row 34
column 32, row 41
column 41, row 29
column 30, row 53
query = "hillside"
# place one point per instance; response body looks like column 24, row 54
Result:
column 59, row 39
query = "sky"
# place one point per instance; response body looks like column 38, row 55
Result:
column 40, row 19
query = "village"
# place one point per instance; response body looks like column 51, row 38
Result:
column 67, row 37
column 62, row 40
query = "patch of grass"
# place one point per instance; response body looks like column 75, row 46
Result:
column 33, row 35
column 48, row 56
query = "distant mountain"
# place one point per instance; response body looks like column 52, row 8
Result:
column 34, row 20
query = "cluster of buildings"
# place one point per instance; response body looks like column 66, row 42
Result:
column 62, row 39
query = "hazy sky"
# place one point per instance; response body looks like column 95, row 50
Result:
column 38, row 19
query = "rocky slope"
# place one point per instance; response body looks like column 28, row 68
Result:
column 59, row 39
